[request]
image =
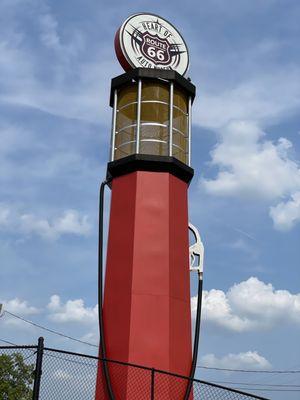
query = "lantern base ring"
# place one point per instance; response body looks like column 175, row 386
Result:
column 146, row 162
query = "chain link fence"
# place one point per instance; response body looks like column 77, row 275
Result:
column 41, row 373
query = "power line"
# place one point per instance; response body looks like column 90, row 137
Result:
column 69, row 360
column 93, row 345
column 252, row 370
column 49, row 330
column 7, row 342
column 269, row 390
column 257, row 384
column 30, row 355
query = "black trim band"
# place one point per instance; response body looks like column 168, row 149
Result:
column 145, row 162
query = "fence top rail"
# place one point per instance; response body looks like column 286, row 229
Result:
column 231, row 390
column 72, row 353
column 17, row 347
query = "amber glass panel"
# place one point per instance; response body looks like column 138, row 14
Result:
column 124, row 150
column 179, row 154
column 154, row 133
column 126, row 121
column 155, row 91
column 180, row 121
column 127, row 95
column 180, row 141
column 127, row 135
column 126, row 116
column 154, row 140
column 180, row 100
column 180, row 125
column 155, row 112
column 154, row 148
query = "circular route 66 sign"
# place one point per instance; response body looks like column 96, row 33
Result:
column 149, row 41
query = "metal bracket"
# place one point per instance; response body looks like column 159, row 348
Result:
column 196, row 251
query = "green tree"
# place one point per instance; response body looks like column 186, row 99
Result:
column 16, row 377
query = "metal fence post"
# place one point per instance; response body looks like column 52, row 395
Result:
column 38, row 369
column 152, row 383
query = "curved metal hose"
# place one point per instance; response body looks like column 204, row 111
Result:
column 196, row 339
column 100, row 292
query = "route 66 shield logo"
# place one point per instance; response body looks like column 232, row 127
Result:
column 156, row 49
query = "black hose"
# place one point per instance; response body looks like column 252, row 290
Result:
column 196, row 338
column 100, row 292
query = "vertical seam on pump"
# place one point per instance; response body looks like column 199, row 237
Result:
column 133, row 254
column 170, row 262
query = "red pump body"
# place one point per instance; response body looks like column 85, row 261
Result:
column 147, row 315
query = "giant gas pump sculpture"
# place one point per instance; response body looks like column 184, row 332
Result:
column 146, row 316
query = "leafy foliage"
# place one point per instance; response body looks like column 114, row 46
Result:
column 16, row 377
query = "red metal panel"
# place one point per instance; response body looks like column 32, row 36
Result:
column 180, row 317
column 119, row 267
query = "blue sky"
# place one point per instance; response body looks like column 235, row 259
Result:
column 56, row 62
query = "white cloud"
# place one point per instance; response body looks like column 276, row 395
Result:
column 49, row 35
column 216, row 310
column 71, row 311
column 242, row 245
column 265, row 98
column 75, row 312
column 286, row 214
column 92, row 337
column 70, row 222
column 249, row 306
column 24, row 83
column 261, row 301
column 62, row 375
column 79, row 320
column 19, row 307
column 247, row 360
column 4, row 215
column 250, row 166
